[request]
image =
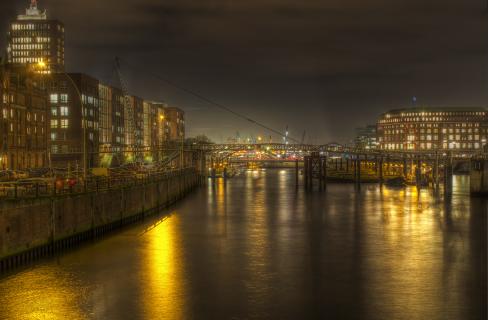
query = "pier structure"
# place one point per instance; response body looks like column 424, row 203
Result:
column 320, row 164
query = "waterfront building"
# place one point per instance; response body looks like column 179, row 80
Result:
column 133, row 113
column 80, row 115
column 176, row 119
column 24, row 120
column 74, row 104
column 154, row 130
column 425, row 129
column 366, row 138
column 33, row 38
column 105, row 111
column 112, row 122
column 133, row 124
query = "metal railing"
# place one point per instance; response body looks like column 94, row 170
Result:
column 53, row 187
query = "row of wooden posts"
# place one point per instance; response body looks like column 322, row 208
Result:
column 315, row 166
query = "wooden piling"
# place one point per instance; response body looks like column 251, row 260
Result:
column 325, row 173
column 448, row 175
column 296, row 173
column 305, row 171
column 405, row 167
column 380, row 167
column 436, row 172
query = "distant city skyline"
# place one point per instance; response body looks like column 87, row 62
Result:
column 309, row 66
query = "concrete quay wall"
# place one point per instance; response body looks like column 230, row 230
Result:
column 34, row 228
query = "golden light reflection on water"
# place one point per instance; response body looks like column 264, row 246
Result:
column 42, row 294
column 404, row 255
column 256, row 239
column 255, row 247
column 164, row 287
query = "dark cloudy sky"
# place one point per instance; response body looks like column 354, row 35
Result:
column 324, row 66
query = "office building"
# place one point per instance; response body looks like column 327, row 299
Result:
column 462, row 130
column 366, row 138
column 34, row 38
column 74, row 105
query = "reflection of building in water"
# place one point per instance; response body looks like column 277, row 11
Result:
column 417, row 129
column 162, row 279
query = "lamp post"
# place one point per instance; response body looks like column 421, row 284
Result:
column 41, row 65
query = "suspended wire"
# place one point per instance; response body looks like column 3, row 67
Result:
column 209, row 101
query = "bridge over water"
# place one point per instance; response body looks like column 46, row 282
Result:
column 340, row 163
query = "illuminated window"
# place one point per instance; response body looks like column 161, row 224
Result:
column 64, row 123
column 64, row 111
column 54, row 98
column 54, row 123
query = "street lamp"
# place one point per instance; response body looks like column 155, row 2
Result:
column 41, row 65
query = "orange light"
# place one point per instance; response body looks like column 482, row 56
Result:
column 41, row 64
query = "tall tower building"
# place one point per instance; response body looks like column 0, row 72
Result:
column 33, row 38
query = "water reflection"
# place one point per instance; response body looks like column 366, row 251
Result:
column 163, row 292
column 42, row 294
column 255, row 247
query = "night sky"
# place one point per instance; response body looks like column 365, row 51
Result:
column 324, row 66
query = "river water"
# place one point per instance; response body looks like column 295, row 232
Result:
column 256, row 248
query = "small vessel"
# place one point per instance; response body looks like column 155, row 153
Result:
column 396, row 182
